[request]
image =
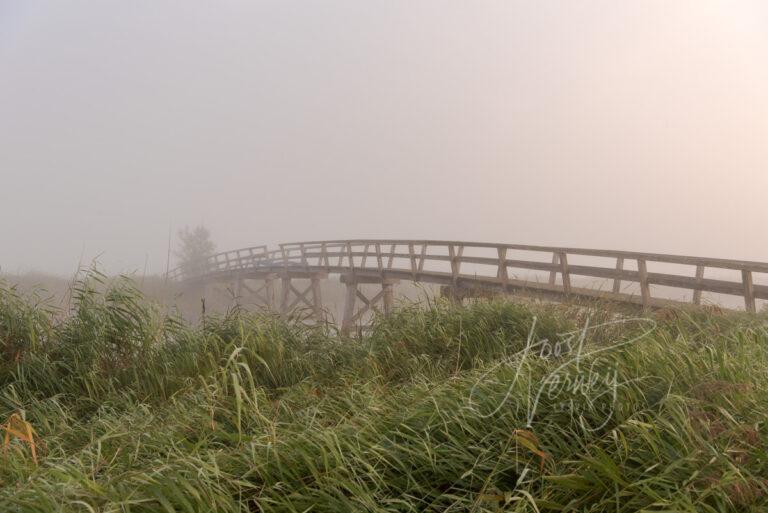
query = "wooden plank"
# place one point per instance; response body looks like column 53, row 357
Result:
column 388, row 297
column 645, row 290
column 285, row 256
column 341, row 255
column 304, row 261
column 603, row 272
column 324, row 255
column 393, row 254
column 697, row 291
column 349, row 308
column 422, row 257
column 687, row 282
column 285, row 291
column 362, row 297
column 617, row 280
column 365, row 256
column 609, row 273
column 379, row 260
column 300, row 297
column 369, row 304
column 555, row 265
column 627, row 255
column 749, row 291
column 519, row 264
column 317, row 300
column 454, row 264
column 269, row 292
column 256, row 262
column 565, row 272
column 351, row 257
column 502, row 272
column 238, row 291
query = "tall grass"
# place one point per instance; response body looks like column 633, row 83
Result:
column 441, row 407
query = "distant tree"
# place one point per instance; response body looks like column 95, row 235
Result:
column 195, row 246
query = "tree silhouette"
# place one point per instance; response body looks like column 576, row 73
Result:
column 196, row 246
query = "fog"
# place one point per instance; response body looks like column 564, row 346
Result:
column 616, row 125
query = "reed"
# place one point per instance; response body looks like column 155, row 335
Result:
column 131, row 409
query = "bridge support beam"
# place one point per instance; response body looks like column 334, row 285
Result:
column 291, row 297
column 385, row 297
column 265, row 293
column 237, row 292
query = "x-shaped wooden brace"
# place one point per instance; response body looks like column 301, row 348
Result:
column 351, row 317
column 301, row 297
column 265, row 293
column 368, row 304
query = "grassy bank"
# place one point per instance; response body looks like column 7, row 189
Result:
column 489, row 407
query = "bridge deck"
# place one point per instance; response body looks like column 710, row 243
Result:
column 550, row 270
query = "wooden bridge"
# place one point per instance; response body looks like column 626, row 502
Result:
column 466, row 269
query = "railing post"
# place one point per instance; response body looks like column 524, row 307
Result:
column 553, row 272
column 645, row 290
column 423, row 256
column 365, row 256
column 324, row 255
column 749, row 291
column 388, row 296
column 502, row 273
column 617, row 280
column 238, row 292
column 379, row 261
column 454, row 267
column 303, row 251
column 285, row 292
column 350, row 257
column 269, row 292
column 699, row 277
column 564, row 271
column 285, row 256
column 391, row 256
column 349, row 306
column 317, row 302
column 412, row 255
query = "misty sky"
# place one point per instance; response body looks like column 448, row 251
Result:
column 639, row 125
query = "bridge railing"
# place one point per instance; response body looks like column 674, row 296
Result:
column 499, row 264
column 244, row 258
column 635, row 277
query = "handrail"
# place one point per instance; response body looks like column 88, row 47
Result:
column 237, row 258
column 441, row 261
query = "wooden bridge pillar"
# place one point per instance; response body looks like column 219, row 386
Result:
column 237, row 291
column 317, row 300
column 385, row 296
column 265, row 293
column 269, row 292
column 285, row 294
column 287, row 304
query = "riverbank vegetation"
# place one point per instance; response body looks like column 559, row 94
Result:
column 119, row 405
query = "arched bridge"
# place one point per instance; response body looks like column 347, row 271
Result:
column 466, row 269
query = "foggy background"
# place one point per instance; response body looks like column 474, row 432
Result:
column 616, row 125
